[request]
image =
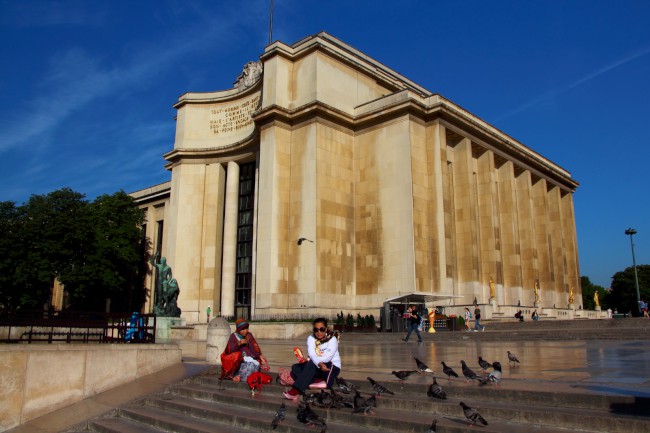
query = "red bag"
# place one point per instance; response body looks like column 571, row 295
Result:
column 257, row 380
column 284, row 376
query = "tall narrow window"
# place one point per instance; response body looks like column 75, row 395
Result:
column 243, row 279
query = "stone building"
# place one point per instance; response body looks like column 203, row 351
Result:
column 395, row 189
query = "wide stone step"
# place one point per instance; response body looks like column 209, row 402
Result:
column 180, row 423
column 509, row 408
column 411, row 416
column 121, row 425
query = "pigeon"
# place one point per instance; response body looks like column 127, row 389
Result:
column 432, row 429
column 357, row 400
column 402, row 375
column 468, row 373
column 379, row 388
column 493, row 377
column 422, row 366
column 484, row 364
column 367, row 405
column 512, row 358
column 309, row 417
column 279, row 416
column 435, row 391
column 448, row 371
column 472, row 415
column 344, row 387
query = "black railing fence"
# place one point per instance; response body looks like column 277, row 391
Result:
column 77, row 327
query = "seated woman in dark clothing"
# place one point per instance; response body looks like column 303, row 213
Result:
column 324, row 361
column 242, row 355
column 519, row 316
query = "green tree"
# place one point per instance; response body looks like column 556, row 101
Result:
column 96, row 250
column 623, row 290
column 111, row 267
column 588, row 290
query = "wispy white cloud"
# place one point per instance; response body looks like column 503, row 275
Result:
column 77, row 78
column 555, row 93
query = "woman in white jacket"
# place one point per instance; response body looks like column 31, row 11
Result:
column 324, row 363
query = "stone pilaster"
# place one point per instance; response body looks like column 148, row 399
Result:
column 466, row 239
column 488, row 223
column 437, row 162
column 509, row 230
column 556, row 236
column 543, row 242
column 228, row 270
column 571, row 247
column 527, row 245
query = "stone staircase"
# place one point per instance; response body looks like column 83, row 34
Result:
column 204, row 404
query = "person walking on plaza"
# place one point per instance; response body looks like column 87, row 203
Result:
column 208, row 311
column 414, row 322
column 477, row 319
column 468, row 316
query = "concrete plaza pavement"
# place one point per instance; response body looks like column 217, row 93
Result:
column 589, row 366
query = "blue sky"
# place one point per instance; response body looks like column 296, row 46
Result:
column 87, row 87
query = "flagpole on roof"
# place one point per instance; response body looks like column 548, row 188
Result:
column 271, row 24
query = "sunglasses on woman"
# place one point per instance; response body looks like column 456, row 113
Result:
column 321, row 329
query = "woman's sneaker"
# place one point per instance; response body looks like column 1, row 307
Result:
column 289, row 396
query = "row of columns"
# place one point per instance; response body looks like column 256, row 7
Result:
column 513, row 227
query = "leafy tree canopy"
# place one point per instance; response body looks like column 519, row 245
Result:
column 93, row 248
column 623, row 290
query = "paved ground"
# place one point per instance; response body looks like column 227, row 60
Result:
column 612, row 367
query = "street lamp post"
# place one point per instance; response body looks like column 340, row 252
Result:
column 631, row 232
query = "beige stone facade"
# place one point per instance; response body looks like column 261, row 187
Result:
column 400, row 190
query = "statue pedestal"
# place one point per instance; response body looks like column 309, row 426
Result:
column 572, row 307
column 597, row 308
column 218, row 335
column 163, row 325
column 493, row 302
column 537, row 304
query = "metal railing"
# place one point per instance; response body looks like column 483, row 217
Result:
column 77, row 327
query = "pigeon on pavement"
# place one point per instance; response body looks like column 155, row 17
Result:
column 512, row 358
column 367, row 405
column 309, row 417
column 484, row 364
column 472, row 415
column 279, row 416
column 448, row 371
column 422, row 366
column 379, row 388
column 432, row 429
column 493, row 377
column 468, row 372
column 344, row 387
column 402, row 375
column 435, row 391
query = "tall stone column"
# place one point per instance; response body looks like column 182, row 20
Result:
column 570, row 247
column 488, row 223
column 557, row 244
column 437, row 150
column 526, row 229
column 510, row 247
column 543, row 241
column 228, row 270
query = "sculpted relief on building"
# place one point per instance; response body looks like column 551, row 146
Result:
column 400, row 190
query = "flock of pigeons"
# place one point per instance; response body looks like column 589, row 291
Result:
column 345, row 395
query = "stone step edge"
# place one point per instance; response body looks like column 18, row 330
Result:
column 546, row 398
column 563, row 418
column 392, row 421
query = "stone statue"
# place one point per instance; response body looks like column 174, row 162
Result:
column 249, row 76
column 493, row 293
column 536, row 291
column 163, row 275
column 571, row 295
column 596, row 300
column 166, row 292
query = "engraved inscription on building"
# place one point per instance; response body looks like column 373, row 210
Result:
column 232, row 119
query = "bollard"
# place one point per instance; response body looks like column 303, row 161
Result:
column 217, row 339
